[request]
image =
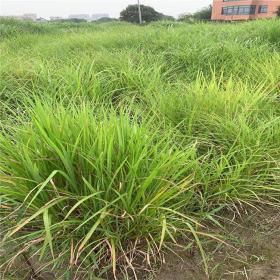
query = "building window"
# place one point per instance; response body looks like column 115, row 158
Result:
column 239, row 10
column 263, row 9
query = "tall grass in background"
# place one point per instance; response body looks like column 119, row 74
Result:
column 119, row 141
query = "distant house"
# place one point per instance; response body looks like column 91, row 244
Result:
column 244, row 9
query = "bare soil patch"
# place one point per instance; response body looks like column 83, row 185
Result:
column 255, row 256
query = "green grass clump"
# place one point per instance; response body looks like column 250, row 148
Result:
column 105, row 181
column 119, row 141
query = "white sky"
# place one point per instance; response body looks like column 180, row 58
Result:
column 46, row 8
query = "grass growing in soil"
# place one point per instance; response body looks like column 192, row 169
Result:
column 119, row 141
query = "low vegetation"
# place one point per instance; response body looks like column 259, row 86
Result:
column 119, row 141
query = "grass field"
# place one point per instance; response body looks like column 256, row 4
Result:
column 119, row 141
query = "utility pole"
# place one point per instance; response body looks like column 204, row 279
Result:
column 139, row 12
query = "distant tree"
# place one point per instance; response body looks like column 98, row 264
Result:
column 149, row 14
column 165, row 17
column 73, row 20
column 186, row 17
column 203, row 14
column 278, row 11
column 106, row 19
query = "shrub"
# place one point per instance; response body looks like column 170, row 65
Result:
column 149, row 14
column 278, row 11
column 84, row 182
column 203, row 14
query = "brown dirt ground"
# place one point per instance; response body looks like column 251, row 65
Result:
column 256, row 255
column 253, row 254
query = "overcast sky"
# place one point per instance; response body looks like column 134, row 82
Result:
column 46, row 8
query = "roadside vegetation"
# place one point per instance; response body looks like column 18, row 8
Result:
column 119, row 142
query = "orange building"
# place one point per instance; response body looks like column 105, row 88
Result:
column 244, row 9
